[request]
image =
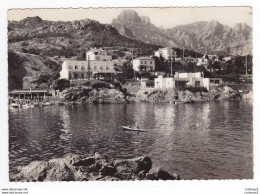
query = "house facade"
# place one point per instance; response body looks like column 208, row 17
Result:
column 144, row 64
column 185, row 80
column 98, row 63
column 203, row 61
column 166, row 53
column 73, row 70
column 213, row 57
column 98, row 55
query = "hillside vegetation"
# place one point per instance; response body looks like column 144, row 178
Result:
column 38, row 47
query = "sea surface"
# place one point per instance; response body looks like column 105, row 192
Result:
column 210, row 140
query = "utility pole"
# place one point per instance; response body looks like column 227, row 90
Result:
column 171, row 61
column 246, row 64
column 132, row 54
column 88, row 68
column 183, row 53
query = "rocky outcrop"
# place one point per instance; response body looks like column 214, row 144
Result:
column 111, row 95
column 126, row 32
column 90, row 95
column 184, row 96
column 83, row 168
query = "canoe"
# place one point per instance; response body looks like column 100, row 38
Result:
column 14, row 105
column 46, row 104
column 126, row 128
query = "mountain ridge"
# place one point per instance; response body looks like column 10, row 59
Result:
column 203, row 36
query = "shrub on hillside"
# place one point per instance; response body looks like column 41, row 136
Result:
column 61, row 84
column 193, row 89
column 100, row 84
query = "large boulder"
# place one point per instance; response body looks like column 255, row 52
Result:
column 134, row 165
column 83, row 168
column 160, row 174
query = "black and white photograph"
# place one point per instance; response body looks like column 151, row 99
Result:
column 111, row 94
column 122, row 98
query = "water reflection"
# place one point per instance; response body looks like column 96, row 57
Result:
column 202, row 141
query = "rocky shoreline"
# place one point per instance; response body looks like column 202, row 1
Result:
column 112, row 95
column 91, row 168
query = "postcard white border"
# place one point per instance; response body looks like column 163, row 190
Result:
column 194, row 186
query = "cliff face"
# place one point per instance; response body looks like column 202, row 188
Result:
column 200, row 36
column 141, row 28
column 214, row 37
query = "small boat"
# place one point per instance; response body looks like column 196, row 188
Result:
column 14, row 105
column 46, row 104
column 127, row 128
column 25, row 106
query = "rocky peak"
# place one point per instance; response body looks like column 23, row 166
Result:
column 32, row 20
column 131, row 16
column 243, row 29
column 145, row 19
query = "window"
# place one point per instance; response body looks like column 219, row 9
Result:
column 217, row 82
column 144, row 62
column 76, row 67
column 151, row 62
column 82, row 76
column 141, row 62
column 101, row 67
column 70, row 76
column 96, row 53
column 82, row 67
column 107, row 67
column 197, row 84
column 70, row 67
column 212, row 81
column 95, row 67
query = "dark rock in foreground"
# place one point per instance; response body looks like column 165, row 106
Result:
column 80, row 168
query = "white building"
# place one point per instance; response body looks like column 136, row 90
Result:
column 144, row 64
column 166, row 53
column 98, row 55
column 98, row 62
column 72, row 70
column 213, row 57
column 185, row 80
column 202, row 61
column 227, row 58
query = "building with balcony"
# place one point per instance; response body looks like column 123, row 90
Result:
column 98, row 55
column 187, row 80
column 73, row 70
column 144, row 64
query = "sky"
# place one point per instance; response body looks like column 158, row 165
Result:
column 166, row 17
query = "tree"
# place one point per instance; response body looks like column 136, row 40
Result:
column 127, row 70
column 61, row 84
